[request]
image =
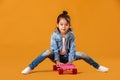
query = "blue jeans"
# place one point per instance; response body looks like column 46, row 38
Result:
column 48, row 54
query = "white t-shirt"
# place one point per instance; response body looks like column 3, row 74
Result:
column 63, row 50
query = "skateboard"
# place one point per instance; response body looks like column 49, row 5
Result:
column 65, row 67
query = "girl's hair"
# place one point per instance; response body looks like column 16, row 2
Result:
column 65, row 16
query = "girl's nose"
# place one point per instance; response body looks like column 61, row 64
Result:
column 63, row 26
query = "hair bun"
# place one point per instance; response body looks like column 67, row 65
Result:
column 65, row 12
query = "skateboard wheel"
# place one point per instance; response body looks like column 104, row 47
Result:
column 60, row 71
column 74, row 71
column 54, row 67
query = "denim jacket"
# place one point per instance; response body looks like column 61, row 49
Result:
column 56, row 45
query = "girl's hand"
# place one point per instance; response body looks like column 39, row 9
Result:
column 59, row 63
column 70, row 62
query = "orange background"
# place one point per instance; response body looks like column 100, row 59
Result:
column 26, row 27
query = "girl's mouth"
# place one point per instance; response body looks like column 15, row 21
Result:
column 63, row 29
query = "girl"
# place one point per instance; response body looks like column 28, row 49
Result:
column 63, row 47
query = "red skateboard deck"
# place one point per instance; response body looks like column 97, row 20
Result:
column 65, row 67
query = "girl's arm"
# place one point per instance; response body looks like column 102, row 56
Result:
column 71, row 57
column 54, row 47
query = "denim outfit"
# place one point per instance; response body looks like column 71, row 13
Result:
column 56, row 46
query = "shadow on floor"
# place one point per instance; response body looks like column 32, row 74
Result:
column 40, row 71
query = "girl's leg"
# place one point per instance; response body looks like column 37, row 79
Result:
column 51, row 57
column 40, row 58
column 89, row 60
column 86, row 58
column 36, row 61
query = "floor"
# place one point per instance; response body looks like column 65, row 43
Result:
column 11, row 67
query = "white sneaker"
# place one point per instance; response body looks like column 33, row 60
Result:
column 103, row 69
column 26, row 70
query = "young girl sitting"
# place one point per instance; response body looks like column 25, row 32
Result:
column 63, row 47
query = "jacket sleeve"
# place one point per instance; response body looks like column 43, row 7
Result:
column 72, row 49
column 54, row 47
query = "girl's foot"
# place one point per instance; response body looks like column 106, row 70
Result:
column 27, row 70
column 103, row 69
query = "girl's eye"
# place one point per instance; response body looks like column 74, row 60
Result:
column 66, row 24
column 61, row 24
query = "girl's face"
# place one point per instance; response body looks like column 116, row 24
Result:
column 63, row 26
